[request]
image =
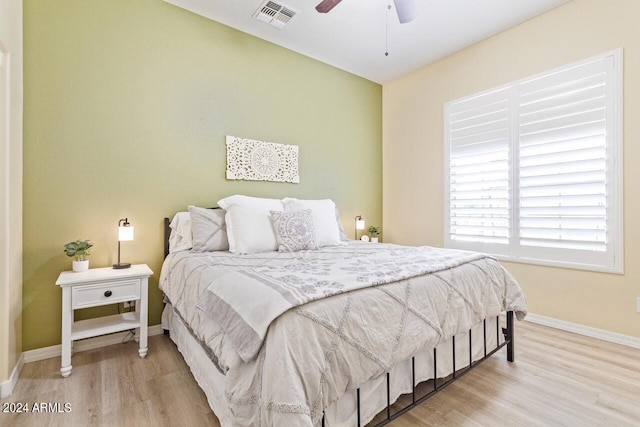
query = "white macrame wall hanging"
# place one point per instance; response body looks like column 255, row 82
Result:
column 253, row 160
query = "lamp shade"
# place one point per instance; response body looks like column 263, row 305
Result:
column 125, row 233
column 359, row 225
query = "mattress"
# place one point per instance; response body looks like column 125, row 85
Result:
column 296, row 334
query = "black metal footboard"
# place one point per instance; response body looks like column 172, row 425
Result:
column 507, row 332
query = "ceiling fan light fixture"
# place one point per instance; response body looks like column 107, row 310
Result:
column 406, row 10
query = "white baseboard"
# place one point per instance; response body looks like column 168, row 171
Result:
column 6, row 388
column 82, row 345
column 588, row 331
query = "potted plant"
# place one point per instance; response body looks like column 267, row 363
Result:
column 79, row 250
column 374, row 232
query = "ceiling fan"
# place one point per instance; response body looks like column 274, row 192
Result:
column 406, row 9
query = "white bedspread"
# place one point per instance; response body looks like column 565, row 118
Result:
column 287, row 354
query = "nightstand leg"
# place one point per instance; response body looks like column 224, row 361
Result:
column 141, row 308
column 67, row 320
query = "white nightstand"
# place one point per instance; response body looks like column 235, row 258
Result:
column 103, row 286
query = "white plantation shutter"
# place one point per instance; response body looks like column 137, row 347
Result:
column 479, row 130
column 560, row 202
column 562, row 161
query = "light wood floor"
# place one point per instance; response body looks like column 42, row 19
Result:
column 558, row 378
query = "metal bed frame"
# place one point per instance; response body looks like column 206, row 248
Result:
column 508, row 333
column 415, row 401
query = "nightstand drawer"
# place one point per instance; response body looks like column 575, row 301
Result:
column 105, row 293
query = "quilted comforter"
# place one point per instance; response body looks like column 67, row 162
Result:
column 292, row 332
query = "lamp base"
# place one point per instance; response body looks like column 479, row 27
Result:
column 121, row 265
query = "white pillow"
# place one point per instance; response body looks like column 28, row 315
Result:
column 249, row 227
column 324, row 218
column 180, row 238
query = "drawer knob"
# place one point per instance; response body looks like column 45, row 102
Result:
column 107, row 294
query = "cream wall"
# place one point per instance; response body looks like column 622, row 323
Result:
column 413, row 148
column 127, row 104
column 10, row 188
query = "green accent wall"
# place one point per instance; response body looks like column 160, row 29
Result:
column 126, row 108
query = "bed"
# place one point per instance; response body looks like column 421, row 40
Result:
column 334, row 335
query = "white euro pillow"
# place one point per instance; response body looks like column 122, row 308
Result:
column 248, row 220
column 324, row 218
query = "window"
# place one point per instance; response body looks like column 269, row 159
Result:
column 535, row 168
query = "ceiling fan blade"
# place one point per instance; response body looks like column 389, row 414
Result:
column 326, row 5
column 406, row 10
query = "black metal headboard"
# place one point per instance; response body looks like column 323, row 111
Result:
column 167, row 233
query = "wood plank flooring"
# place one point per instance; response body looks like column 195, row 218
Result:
column 558, row 379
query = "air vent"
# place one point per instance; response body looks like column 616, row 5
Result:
column 276, row 14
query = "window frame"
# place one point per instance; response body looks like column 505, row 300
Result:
column 614, row 256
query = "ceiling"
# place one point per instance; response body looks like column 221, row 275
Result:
column 355, row 35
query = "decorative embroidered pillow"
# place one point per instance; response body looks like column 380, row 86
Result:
column 294, row 230
column 324, row 218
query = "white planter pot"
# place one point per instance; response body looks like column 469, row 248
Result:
column 374, row 240
column 80, row 266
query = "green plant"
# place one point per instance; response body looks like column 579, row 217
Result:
column 374, row 231
column 80, row 249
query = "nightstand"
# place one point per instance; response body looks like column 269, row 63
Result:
column 103, row 286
